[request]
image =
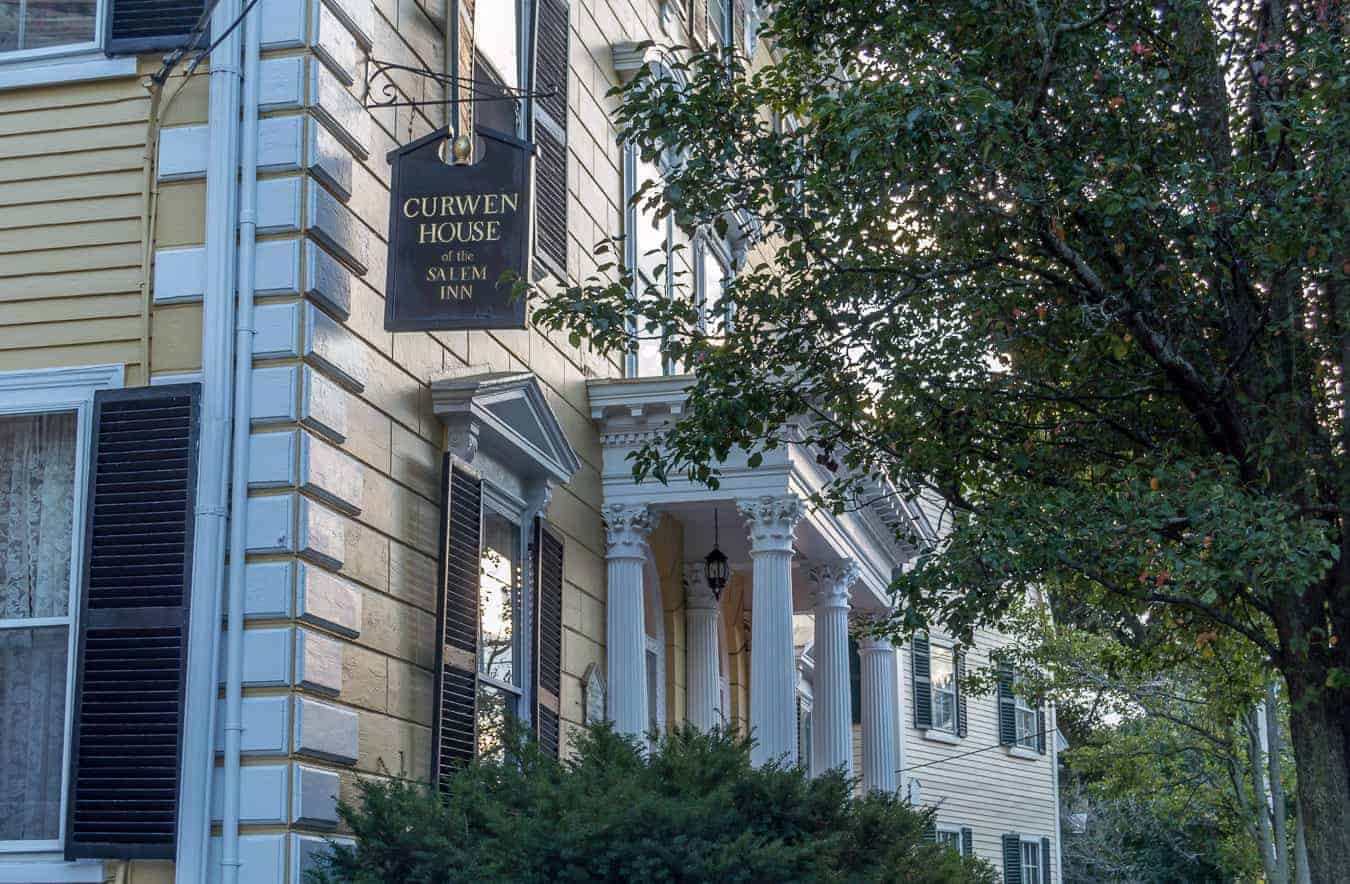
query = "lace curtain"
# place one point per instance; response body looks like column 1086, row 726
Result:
column 37, row 493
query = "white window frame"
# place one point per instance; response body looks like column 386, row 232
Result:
column 655, row 647
column 948, row 648
column 706, row 244
column 504, row 504
column 632, row 216
column 1034, row 843
column 90, row 49
column 1029, row 738
column 951, row 829
column 40, row 392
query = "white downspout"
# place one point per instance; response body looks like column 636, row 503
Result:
column 194, row 802
column 243, row 390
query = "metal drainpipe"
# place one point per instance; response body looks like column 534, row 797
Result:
column 243, row 392
column 209, row 530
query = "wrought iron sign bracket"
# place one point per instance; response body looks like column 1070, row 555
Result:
column 383, row 91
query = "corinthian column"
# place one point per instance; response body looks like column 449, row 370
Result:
column 700, row 619
column 831, row 710
column 626, row 530
column 773, row 677
column 879, row 714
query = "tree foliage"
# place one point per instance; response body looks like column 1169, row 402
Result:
column 1079, row 271
column 692, row 810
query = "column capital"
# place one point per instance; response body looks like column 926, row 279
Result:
column 875, row 644
column 626, row 530
column 697, row 594
column 833, row 580
column 771, row 521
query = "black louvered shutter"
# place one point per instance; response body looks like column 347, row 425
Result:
column 1012, row 858
column 548, row 621
column 967, row 841
column 455, row 729
column 962, row 715
column 1007, row 706
column 1041, row 735
column 150, row 25
column 1045, row 861
column 921, row 676
column 551, row 73
column 132, row 650
column 854, row 680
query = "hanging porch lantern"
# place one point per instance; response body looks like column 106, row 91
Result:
column 715, row 567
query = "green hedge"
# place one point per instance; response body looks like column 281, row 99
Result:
column 694, row 810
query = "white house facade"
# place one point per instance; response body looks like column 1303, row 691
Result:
column 254, row 545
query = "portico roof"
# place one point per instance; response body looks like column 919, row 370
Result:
column 632, row 413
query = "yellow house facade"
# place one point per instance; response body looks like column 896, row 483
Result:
column 254, row 546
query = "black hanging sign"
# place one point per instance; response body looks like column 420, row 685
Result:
column 454, row 230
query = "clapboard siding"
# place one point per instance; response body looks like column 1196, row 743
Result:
column 71, row 177
column 990, row 791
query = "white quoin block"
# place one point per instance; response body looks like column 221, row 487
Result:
column 180, row 275
column 283, row 24
column 266, row 723
column 332, row 348
column 325, row 731
column 270, row 524
column 318, row 662
column 315, row 797
column 325, row 599
column 274, row 395
column 279, row 205
column 327, row 282
column 323, row 405
column 267, row 590
column 262, row 794
column 281, row 143
column 331, row 475
column 333, row 225
column 322, row 536
column 276, row 330
column 277, row 268
column 182, row 153
column 333, row 43
column 339, row 110
column 329, row 161
column 281, row 84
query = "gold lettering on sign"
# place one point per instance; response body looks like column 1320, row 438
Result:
column 453, row 220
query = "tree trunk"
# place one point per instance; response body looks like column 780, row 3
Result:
column 1319, row 728
column 1301, row 875
column 1256, row 763
column 1270, row 713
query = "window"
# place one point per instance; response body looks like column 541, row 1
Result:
column 38, row 482
column 949, row 837
column 944, row 689
column 1028, row 729
column 656, row 690
column 714, row 271
column 1031, row 863
column 48, row 27
column 499, row 670
column 719, row 20
column 649, row 245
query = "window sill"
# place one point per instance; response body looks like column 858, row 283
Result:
column 1024, row 752
column 942, row 737
column 49, row 869
column 72, row 69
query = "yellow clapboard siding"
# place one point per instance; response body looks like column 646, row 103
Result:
column 63, row 260
column 70, row 95
column 52, row 120
column 72, row 211
column 39, row 144
column 70, row 309
column 74, row 187
column 70, row 285
column 191, row 105
column 176, row 338
column 70, row 236
column 83, row 163
column 126, row 352
column 180, row 219
column 64, row 334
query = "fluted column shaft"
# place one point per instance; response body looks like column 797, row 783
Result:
column 773, row 677
column 626, row 529
column 831, row 709
column 703, row 669
column 879, row 715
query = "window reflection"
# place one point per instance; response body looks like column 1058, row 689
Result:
column 498, row 599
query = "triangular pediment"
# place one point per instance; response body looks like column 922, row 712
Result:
column 514, row 418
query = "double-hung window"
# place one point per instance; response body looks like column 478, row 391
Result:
column 1032, row 873
column 1028, row 726
column 41, row 28
column 649, row 253
column 943, row 677
column 499, row 652
column 714, row 272
column 39, row 482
